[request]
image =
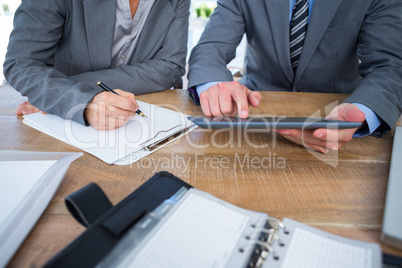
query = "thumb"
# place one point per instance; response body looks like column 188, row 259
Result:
column 353, row 114
column 347, row 112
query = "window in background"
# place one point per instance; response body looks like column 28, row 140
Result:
column 200, row 11
column 7, row 10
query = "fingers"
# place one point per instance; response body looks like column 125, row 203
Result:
column 352, row 113
column 124, row 101
column 110, row 123
column 334, row 135
column 113, row 111
column 324, row 140
column 254, row 98
column 204, row 102
column 128, row 95
column 315, row 147
column 240, row 98
column 20, row 108
column 226, row 103
column 26, row 108
column 306, row 137
column 347, row 112
column 217, row 101
column 224, row 99
column 110, row 111
column 213, row 100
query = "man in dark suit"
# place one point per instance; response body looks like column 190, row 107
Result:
column 334, row 46
column 60, row 49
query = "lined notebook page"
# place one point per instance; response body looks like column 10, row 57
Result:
column 308, row 249
column 200, row 233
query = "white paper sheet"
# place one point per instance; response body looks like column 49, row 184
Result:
column 16, row 181
column 306, row 246
column 308, row 249
column 28, row 181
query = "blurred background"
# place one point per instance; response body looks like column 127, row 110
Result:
column 7, row 10
column 200, row 11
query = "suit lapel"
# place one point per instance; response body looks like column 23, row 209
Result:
column 278, row 11
column 158, row 21
column 321, row 16
column 100, row 16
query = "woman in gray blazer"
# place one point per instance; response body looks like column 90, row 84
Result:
column 60, row 49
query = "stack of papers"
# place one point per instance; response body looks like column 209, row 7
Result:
column 28, row 182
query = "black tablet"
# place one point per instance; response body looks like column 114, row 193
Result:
column 271, row 123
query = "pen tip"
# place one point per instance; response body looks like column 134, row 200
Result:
column 99, row 82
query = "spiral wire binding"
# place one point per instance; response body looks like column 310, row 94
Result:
column 263, row 242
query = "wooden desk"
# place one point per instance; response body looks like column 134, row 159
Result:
column 341, row 192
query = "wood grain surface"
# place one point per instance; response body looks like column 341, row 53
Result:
column 341, row 192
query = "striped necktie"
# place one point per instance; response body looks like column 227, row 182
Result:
column 298, row 29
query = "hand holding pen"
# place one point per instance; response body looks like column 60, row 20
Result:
column 106, row 88
column 110, row 111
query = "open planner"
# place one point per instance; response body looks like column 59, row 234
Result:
column 138, row 138
column 203, row 231
column 191, row 228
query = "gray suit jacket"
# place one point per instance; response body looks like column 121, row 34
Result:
column 59, row 49
column 340, row 32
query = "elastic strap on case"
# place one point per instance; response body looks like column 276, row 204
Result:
column 88, row 204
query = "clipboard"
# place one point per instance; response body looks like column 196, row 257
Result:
column 168, row 223
column 138, row 138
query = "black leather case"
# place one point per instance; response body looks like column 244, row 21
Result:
column 107, row 224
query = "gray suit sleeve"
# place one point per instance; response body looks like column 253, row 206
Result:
column 380, row 52
column 29, row 60
column 217, row 45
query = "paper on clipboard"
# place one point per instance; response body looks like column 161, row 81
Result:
column 138, row 138
column 28, row 181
